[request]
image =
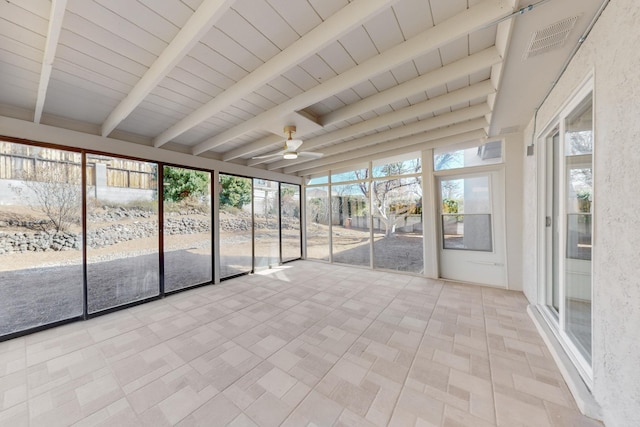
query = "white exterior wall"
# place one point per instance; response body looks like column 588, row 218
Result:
column 611, row 54
column 513, row 155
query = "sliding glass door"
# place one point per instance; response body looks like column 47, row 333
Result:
column 41, row 279
column 187, row 228
column 266, row 223
column 122, row 232
column 290, row 221
column 236, row 225
column 569, row 224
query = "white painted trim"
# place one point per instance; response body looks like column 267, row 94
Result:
column 430, row 224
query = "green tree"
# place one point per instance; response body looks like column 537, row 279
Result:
column 180, row 184
column 235, row 192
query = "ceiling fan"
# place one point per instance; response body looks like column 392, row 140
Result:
column 290, row 150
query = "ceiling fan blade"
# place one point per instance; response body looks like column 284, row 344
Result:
column 267, row 156
column 310, row 154
column 292, row 144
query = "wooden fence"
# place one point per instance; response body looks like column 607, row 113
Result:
column 19, row 162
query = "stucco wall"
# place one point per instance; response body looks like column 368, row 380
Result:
column 514, row 205
column 611, row 53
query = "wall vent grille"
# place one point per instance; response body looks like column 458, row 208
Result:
column 549, row 38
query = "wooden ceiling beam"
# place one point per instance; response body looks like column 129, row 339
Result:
column 463, row 67
column 450, row 121
column 460, row 25
column 401, row 146
column 343, row 21
column 207, row 14
column 56, row 16
column 479, row 90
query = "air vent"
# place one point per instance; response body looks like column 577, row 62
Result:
column 509, row 129
column 549, row 38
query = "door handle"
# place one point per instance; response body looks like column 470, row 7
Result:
column 547, row 221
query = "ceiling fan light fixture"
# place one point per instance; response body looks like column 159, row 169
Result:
column 290, row 155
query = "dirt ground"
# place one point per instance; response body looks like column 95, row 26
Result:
column 402, row 252
column 37, row 288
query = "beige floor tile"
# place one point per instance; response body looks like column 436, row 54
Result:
column 315, row 409
column 511, row 410
column 17, row 415
column 128, row 344
column 305, row 344
column 196, row 342
column 119, row 413
column 268, row 411
column 420, row 406
column 174, row 326
column 13, row 390
column 12, row 358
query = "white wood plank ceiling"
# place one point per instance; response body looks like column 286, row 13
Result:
column 222, row 78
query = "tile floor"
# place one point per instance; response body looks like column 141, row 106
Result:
column 307, row 344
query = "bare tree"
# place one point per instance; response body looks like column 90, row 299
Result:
column 56, row 192
column 393, row 198
column 317, row 206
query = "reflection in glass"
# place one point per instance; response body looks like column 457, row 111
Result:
column 352, row 175
column 477, row 228
column 407, row 164
column 187, row 228
column 397, row 224
column 579, row 195
column 266, row 223
column 122, row 232
column 317, row 223
column 290, row 221
column 466, row 218
column 318, row 180
column 485, row 154
column 235, row 234
column 350, row 216
column 553, row 257
column 40, row 236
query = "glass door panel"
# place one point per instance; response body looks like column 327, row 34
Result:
column 187, row 228
column 318, row 217
column 290, row 221
column 236, row 225
column 41, row 275
column 472, row 228
column 266, row 223
column 351, row 232
column 122, row 232
column 578, row 146
column 397, row 224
